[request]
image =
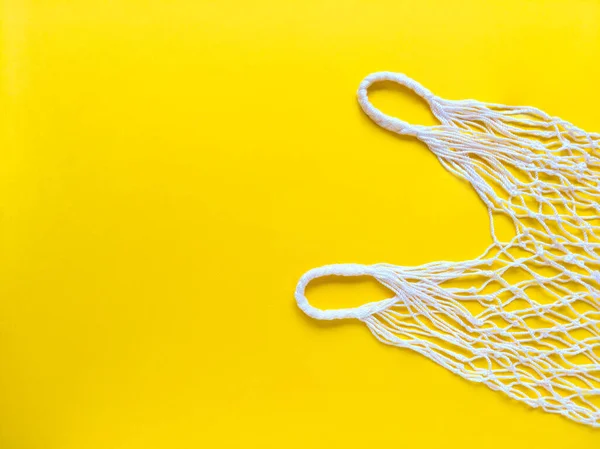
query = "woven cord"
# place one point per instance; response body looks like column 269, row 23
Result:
column 527, row 324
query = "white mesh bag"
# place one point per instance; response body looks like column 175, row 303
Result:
column 523, row 317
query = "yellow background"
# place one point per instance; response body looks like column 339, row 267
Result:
column 168, row 170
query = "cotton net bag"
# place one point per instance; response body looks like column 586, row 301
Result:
column 523, row 317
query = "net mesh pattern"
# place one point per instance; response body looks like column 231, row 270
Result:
column 522, row 318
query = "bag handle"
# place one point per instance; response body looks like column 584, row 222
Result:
column 386, row 121
column 350, row 269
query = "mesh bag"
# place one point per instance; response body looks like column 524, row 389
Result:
column 523, row 317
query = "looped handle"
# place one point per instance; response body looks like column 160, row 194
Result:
column 360, row 312
column 386, row 121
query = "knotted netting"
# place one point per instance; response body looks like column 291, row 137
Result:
column 523, row 317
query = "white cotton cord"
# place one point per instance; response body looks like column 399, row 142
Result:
column 392, row 123
column 337, row 314
column 523, row 317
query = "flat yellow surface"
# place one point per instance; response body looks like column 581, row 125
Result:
column 168, row 170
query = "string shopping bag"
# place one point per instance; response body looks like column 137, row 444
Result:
column 523, row 317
